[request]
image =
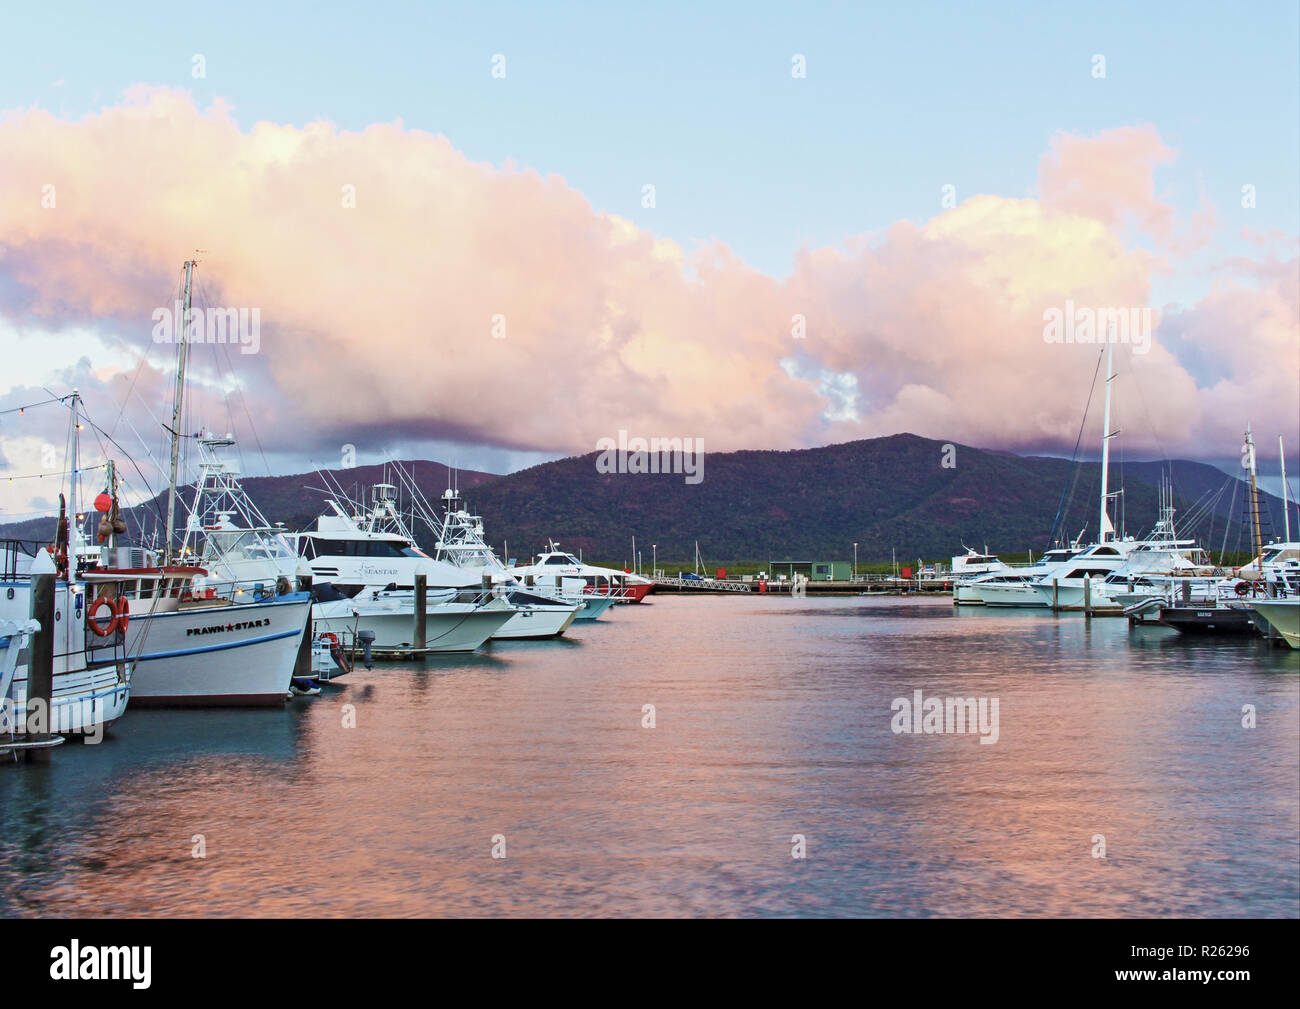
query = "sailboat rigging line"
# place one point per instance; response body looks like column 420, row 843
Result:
column 99, row 431
column 238, row 389
column 144, row 359
column 1074, row 457
column 1228, row 524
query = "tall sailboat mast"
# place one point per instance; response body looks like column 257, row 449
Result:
column 1106, row 531
column 1286, row 491
column 178, row 396
column 1254, row 494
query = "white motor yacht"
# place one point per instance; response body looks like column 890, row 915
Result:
column 554, row 568
column 371, row 573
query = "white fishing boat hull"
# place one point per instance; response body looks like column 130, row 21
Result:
column 1283, row 615
column 449, row 627
column 87, row 695
column 238, row 655
column 537, row 622
column 82, row 702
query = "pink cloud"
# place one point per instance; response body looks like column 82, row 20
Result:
column 380, row 317
column 1108, row 177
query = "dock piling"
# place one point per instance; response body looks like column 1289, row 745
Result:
column 40, row 667
column 421, row 611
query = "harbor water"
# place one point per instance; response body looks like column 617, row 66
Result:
column 1134, row 773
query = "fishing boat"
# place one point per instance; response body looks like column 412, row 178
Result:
column 91, row 673
column 194, row 644
column 461, row 544
column 558, row 569
column 540, row 613
column 371, row 573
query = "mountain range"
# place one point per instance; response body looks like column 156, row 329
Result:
column 903, row 493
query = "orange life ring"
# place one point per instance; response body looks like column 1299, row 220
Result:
column 122, row 613
column 1242, row 588
column 99, row 630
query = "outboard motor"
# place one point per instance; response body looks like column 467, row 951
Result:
column 366, row 638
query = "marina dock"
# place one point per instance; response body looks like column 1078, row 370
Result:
column 873, row 585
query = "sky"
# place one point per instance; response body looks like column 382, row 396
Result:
column 492, row 234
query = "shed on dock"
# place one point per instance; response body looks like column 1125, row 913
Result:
column 815, row 571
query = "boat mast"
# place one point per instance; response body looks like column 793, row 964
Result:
column 1105, row 529
column 182, row 338
column 75, row 466
column 1286, row 508
column 1254, row 495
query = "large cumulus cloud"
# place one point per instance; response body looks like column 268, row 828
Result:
column 377, row 320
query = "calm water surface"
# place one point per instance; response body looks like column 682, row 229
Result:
column 773, row 719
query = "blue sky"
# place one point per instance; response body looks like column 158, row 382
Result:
column 698, row 100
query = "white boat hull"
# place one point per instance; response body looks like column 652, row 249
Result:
column 88, row 693
column 449, row 627
column 593, row 607
column 1022, row 595
column 1283, row 615
column 82, row 702
column 240, row 655
column 1070, row 597
column 537, row 622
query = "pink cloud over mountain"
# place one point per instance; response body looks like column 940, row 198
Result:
column 380, row 317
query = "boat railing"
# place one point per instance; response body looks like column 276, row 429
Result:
column 17, row 557
column 477, row 597
column 611, row 591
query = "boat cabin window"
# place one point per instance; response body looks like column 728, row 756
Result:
column 1105, row 552
column 558, row 559
column 357, row 548
column 1093, row 572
